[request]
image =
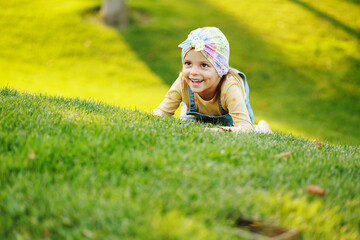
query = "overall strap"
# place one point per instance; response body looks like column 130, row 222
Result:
column 192, row 107
column 221, row 107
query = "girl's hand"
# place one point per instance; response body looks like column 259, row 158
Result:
column 220, row 129
column 228, row 129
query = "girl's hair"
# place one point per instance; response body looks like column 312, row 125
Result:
column 232, row 73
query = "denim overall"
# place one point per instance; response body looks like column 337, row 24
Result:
column 225, row 119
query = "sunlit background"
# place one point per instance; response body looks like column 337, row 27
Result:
column 302, row 58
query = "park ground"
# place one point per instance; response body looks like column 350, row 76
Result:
column 81, row 157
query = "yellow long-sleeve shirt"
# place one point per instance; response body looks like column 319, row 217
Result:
column 232, row 94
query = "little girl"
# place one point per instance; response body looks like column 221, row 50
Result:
column 208, row 89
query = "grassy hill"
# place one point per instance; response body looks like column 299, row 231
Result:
column 75, row 169
column 302, row 58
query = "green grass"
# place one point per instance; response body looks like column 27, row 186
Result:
column 302, row 58
column 75, row 169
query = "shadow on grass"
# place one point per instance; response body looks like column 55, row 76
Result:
column 280, row 92
column 328, row 18
column 354, row 1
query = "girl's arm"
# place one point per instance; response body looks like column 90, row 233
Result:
column 229, row 129
column 235, row 103
column 171, row 101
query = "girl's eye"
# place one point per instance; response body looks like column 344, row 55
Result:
column 204, row 65
column 187, row 63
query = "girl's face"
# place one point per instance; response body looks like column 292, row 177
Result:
column 200, row 74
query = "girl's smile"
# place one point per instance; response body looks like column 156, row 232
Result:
column 200, row 74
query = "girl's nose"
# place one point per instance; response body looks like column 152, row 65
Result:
column 194, row 70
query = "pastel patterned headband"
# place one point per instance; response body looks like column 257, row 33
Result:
column 213, row 45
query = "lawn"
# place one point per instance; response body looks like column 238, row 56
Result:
column 81, row 157
column 75, row 169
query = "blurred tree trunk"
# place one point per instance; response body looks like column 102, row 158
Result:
column 115, row 13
